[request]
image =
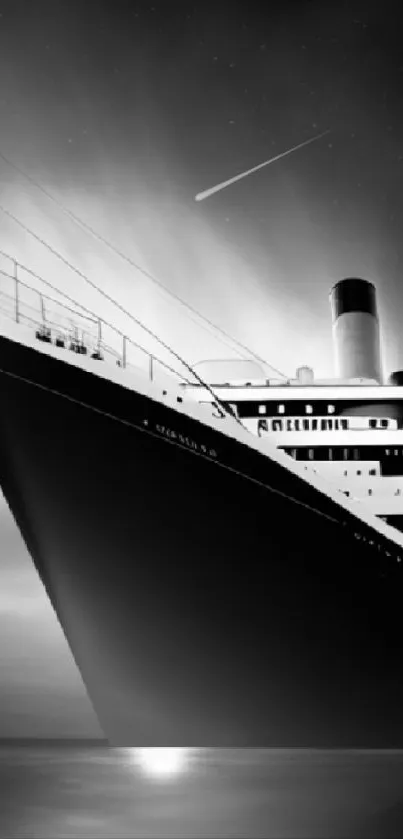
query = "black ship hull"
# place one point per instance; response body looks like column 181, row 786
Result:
column 210, row 596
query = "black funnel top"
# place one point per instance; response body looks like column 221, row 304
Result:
column 353, row 295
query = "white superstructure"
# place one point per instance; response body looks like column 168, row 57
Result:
column 348, row 429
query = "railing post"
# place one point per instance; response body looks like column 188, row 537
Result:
column 124, row 351
column 151, row 367
column 17, row 302
column 42, row 309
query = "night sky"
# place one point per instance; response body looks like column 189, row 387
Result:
column 125, row 111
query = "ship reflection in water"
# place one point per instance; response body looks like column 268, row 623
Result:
column 82, row 792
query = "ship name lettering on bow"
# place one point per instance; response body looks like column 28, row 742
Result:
column 184, row 440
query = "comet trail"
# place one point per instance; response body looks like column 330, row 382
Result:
column 207, row 192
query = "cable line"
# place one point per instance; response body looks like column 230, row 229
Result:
column 87, row 228
column 226, row 408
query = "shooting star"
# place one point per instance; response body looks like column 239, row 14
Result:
column 207, row 192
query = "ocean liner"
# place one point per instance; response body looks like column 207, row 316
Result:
column 214, row 590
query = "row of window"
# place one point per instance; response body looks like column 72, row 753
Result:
column 344, row 453
column 359, row 472
column 319, row 410
column 308, row 409
column 347, row 492
column 324, row 424
column 250, row 408
column 294, row 424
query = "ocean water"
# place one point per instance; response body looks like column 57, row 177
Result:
column 82, row 792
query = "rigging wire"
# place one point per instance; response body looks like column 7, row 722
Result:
column 88, row 229
column 224, row 407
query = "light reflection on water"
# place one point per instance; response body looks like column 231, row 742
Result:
column 98, row 792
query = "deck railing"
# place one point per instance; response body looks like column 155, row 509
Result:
column 74, row 327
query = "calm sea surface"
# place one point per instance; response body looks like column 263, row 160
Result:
column 83, row 792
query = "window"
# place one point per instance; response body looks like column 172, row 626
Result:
column 359, row 472
column 308, row 409
column 277, row 425
column 262, row 409
column 372, row 471
column 310, row 454
column 262, row 426
column 344, row 424
column 356, row 454
column 326, row 424
column 281, row 409
column 330, row 454
column 330, row 409
column 296, row 425
column 314, row 425
column 345, row 473
column 289, row 425
column 372, row 423
column 384, row 423
column 370, row 492
column 305, row 424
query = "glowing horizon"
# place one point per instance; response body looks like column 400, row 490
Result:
column 162, row 762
